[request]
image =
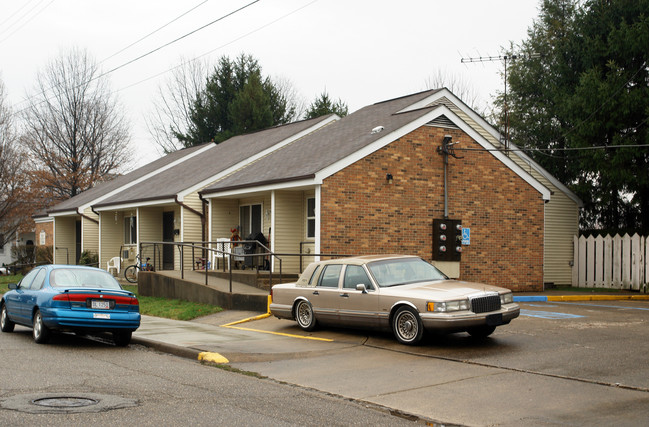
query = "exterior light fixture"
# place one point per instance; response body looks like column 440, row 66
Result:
column 389, row 178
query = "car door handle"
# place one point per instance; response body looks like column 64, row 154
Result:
column 344, row 295
column 316, row 293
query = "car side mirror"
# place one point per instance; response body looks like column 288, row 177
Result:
column 361, row 287
column 12, row 286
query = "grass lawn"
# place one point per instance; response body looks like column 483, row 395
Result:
column 152, row 306
column 172, row 308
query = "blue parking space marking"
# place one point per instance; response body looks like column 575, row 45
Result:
column 530, row 298
column 622, row 307
column 542, row 305
column 548, row 314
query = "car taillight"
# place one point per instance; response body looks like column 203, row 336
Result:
column 134, row 301
column 61, row 297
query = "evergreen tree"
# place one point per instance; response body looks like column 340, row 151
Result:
column 323, row 105
column 236, row 99
column 581, row 82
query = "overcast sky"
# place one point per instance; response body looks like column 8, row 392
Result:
column 359, row 51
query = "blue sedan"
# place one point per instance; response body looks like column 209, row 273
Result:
column 70, row 298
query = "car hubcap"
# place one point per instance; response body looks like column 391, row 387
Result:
column 37, row 326
column 304, row 314
column 407, row 327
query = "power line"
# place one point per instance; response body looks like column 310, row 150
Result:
column 524, row 149
column 127, row 47
column 154, row 31
column 178, row 39
column 44, row 93
column 217, row 48
column 28, row 21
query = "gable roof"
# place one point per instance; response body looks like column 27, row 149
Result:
column 105, row 189
column 195, row 173
column 321, row 154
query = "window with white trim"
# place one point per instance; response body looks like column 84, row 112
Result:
column 310, row 218
column 130, row 230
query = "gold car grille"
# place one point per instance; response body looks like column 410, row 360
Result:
column 485, row 304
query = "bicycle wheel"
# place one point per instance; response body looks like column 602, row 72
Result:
column 130, row 273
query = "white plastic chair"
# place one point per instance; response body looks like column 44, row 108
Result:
column 223, row 245
column 114, row 263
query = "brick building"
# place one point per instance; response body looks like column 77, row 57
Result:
column 373, row 182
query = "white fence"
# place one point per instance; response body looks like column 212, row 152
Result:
column 611, row 262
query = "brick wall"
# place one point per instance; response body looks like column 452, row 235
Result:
column 363, row 214
column 48, row 227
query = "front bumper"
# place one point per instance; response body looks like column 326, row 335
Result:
column 463, row 320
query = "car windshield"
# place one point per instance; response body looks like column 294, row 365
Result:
column 77, row 277
column 403, row 271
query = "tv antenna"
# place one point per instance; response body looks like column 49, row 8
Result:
column 504, row 59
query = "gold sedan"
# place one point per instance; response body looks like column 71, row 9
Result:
column 404, row 294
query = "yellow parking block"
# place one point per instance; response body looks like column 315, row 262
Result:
column 207, row 356
column 598, row 297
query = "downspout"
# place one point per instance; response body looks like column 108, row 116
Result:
column 203, row 218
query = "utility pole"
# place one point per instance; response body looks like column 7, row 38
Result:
column 504, row 59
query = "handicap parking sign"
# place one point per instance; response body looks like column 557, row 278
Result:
column 466, row 236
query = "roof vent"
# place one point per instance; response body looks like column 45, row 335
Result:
column 377, row 129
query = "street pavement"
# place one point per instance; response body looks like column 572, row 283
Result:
column 419, row 384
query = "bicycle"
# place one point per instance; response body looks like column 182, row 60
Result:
column 130, row 274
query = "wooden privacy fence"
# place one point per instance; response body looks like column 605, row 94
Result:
column 611, row 262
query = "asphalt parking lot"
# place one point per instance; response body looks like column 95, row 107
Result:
column 559, row 363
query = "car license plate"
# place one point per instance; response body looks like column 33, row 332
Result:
column 101, row 316
column 100, row 304
column 495, row 319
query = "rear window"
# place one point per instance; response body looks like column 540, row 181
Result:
column 82, row 278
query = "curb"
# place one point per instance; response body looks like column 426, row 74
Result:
column 176, row 350
column 544, row 298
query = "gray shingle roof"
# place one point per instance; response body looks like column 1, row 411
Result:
column 175, row 180
column 332, row 143
column 92, row 194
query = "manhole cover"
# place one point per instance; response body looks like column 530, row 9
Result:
column 64, row 402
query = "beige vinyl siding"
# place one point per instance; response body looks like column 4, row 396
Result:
column 192, row 228
column 225, row 216
column 65, row 251
column 561, row 215
column 90, row 232
column 112, row 236
column 289, row 228
column 150, row 230
column 561, row 222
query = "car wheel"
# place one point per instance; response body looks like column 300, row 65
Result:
column 6, row 325
column 130, row 274
column 41, row 332
column 481, row 331
column 407, row 326
column 304, row 315
column 122, row 339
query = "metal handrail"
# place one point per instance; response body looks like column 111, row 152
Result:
column 206, row 248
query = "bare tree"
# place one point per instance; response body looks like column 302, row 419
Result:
column 74, row 127
column 172, row 109
column 175, row 108
column 460, row 88
column 11, row 173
